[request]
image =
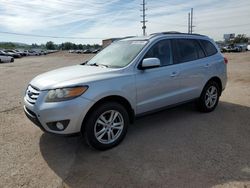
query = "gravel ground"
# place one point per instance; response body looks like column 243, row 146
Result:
column 179, row 147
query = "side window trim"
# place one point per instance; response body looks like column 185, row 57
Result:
column 153, row 45
column 207, row 55
column 199, row 44
column 177, row 52
column 203, row 48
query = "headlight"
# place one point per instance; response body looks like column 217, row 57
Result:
column 63, row 94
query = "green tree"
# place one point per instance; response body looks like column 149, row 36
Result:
column 7, row 45
column 50, row 45
column 96, row 46
column 88, row 46
column 80, row 46
column 241, row 38
column 74, row 46
column 35, row 45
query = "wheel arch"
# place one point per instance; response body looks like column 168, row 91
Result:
column 113, row 98
column 217, row 80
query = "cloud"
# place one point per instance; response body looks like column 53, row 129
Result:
column 115, row 18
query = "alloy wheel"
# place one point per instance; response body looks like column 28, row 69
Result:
column 211, row 96
column 109, row 126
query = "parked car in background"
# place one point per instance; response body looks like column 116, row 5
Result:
column 95, row 51
column 129, row 78
column 78, row 51
column 44, row 52
column 248, row 47
column 242, row 47
column 234, row 48
column 18, row 52
column 6, row 59
column 26, row 52
column 22, row 52
column 87, row 51
column 13, row 53
column 33, row 53
column 3, row 53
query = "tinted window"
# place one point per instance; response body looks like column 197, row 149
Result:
column 162, row 51
column 200, row 51
column 208, row 47
column 187, row 50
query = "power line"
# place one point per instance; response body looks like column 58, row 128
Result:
column 46, row 36
column 143, row 18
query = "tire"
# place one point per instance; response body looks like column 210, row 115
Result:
column 209, row 97
column 99, row 126
column 12, row 60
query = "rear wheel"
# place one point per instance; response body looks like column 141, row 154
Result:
column 209, row 97
column 106, row 126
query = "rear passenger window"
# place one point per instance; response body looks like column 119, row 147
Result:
column 162, row 51
column 208, row 47
column 187, row 50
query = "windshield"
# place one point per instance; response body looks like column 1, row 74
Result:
column 118, row 54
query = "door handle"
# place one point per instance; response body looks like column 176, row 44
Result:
column 207, row 65
column 173, row 74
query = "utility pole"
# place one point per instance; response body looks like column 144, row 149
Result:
column 189, row 22
column 143, row 17
column 191, row 29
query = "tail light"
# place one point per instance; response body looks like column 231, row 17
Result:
column 225, row 60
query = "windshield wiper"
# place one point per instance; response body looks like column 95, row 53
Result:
column 97, row 65
column 84, row 63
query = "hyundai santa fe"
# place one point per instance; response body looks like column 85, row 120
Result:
column 131, row 77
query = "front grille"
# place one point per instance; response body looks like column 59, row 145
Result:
column 31, row 94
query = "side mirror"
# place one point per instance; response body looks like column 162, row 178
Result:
column 150, row 63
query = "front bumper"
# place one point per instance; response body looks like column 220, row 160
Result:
column 32, row 117
column 74, row 110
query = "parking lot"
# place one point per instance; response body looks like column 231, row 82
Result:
column 178, row 147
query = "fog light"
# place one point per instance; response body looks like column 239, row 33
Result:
column 58, row 125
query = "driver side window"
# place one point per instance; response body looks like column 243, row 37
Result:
column 162, row 51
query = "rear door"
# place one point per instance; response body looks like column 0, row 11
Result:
column 193, row 70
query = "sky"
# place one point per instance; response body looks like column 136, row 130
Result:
column 90, row 21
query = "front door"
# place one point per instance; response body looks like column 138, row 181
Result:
column 158, row 87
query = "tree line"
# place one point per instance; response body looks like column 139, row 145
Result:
column 49, row 46
column 70, row 46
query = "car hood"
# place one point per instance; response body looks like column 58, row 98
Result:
column 72, row 75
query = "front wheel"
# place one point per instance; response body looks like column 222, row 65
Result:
column 106, row 126
column 209, row 97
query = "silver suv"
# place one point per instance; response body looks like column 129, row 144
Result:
column 131, row 77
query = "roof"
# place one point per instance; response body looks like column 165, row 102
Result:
column 160, row 34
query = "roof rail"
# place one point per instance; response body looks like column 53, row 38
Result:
column 127, row 37
column 173, row 32
column 166, row 32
